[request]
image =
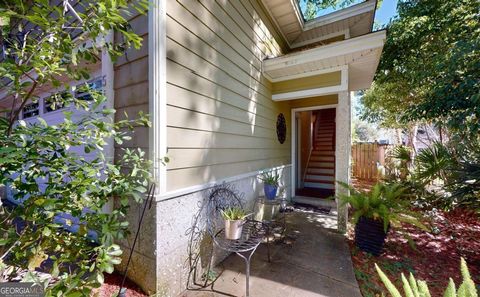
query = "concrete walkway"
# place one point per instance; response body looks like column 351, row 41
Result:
column 313, row 260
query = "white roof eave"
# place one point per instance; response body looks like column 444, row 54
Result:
column 349, row 46
column 340, row 15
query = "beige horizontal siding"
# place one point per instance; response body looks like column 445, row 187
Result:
column 131, row 73
column 231, row 109
column 311, row 82
column 205, row 174
column 189, row 138
column 221, row 120
column 251, row 22
column 259, row 12
column 124, row 96
column 191, row 119
column 131, row 84
column 188, row 158
column 139, row 138
column 216, row 71
column 185, row 78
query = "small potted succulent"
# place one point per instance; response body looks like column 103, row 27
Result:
column 271, row 180
column 234, row 220
column 374, row 212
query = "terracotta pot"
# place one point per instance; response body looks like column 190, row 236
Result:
column 370, row 235
column 233, row 229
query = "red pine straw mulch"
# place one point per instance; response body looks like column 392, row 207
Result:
column 435, row 258
column 112, row 284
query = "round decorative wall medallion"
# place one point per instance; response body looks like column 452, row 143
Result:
column 281, row 128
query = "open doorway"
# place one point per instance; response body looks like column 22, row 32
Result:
column 314, row 152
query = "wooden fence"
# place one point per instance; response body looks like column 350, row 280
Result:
column 367, row 160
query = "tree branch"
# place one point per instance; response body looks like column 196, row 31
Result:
column 17, row 111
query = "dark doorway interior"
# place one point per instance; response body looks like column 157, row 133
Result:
column 316, row 148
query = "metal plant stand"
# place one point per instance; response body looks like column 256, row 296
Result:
column 270, row 213
column 252, row 235
column 222, row 197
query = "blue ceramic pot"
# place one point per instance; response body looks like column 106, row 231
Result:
column 270, row 191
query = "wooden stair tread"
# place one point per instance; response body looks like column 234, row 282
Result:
column 319, row 181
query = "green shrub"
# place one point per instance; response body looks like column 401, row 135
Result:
column 419, row 288
column 44, row 53
column 384, row 202
column 399, row 163
column 434, row 162
column 457, row 164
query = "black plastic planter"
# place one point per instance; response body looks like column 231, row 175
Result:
column 370, row 235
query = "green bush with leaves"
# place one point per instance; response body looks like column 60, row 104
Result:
column 399, row 163
column 457, row 165
column 434, row 162
column 385, row 202
column 48, row 47
column 418, row 288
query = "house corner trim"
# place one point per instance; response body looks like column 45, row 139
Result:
column 157, row 84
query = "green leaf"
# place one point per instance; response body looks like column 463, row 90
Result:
column 46, row 231
column 388, row 284
column 100, row 278
column 450, row 291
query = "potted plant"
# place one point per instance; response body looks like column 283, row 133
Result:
column 234, row 220
column 271, row 181
column 375, row 211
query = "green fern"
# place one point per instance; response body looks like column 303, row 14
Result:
column 385, row 202
column 419, row 288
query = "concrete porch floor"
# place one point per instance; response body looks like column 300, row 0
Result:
column 313, row 260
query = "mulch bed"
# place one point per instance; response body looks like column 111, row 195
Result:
column 434, row 258
column 112, row 284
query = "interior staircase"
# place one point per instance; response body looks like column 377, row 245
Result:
column 320, row 173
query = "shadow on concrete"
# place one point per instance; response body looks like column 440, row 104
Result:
column 311, row 260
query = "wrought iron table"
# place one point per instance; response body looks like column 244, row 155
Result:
column 252, row 235
column 272, row 215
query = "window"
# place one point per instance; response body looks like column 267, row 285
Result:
column 30, row 110
column 95, row 85
column 54, row 102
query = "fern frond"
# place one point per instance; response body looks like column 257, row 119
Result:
column 423, row 289
column 451, row 291
column 467, row 288
column 413, row 285
column 464, row 270
column 406, row 287
column 388, row 284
